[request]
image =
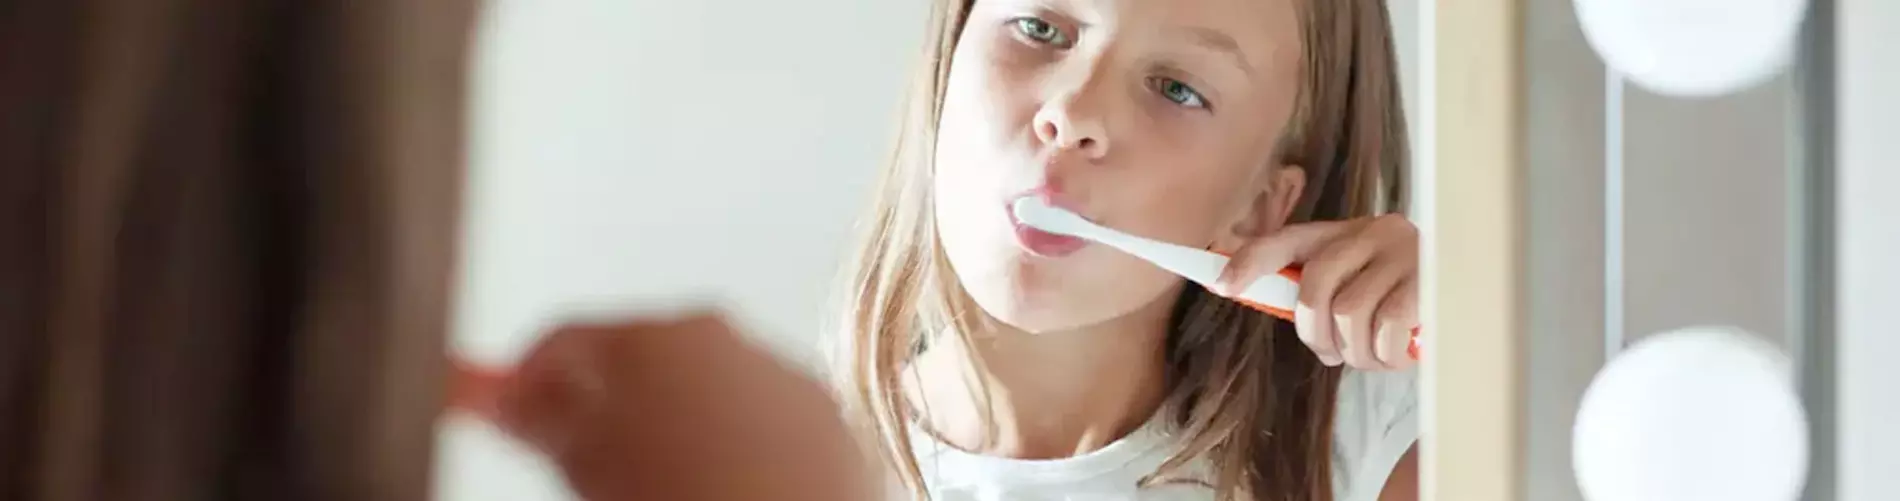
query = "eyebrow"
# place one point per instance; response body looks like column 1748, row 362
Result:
column 1218, row 42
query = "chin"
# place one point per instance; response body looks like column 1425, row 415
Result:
column 1036, row 317
column 1038, row 296
column 1010, row 293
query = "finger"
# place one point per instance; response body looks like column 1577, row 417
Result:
column 1267, row 255
column 1393, row 228
column 1393, row 341
column 1314, row 324
column 1355, row 308
column 1396, row 318
column 1322, row 279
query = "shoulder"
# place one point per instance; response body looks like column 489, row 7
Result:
column 1375, row 422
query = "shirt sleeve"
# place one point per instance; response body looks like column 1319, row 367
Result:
column 1375, row 423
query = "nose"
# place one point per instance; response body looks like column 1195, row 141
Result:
column 1068, row 123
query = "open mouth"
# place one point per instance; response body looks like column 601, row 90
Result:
column 1042, row 243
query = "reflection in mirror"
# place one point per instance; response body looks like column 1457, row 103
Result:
column 627, row 155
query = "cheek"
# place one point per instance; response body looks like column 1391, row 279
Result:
column 973, row 170
column 983, row 132
column 986, row 111
column 1192, row 216
column 1185, row 193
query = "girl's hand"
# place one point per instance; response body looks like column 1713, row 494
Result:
column 1358, row 289
column 676, row 409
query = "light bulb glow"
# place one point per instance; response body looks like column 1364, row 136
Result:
column 1699, row 413
column 1693, row 48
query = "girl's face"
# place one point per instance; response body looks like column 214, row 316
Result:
column 1157, row 117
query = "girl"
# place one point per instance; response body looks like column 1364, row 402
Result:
column 994, row 361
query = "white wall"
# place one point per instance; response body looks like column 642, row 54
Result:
column 1405, row 40
column 625, row 151
column 1868, row 248
column 629, row 153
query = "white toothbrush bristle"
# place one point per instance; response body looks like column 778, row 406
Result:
column 1025, row 209
column 1021, row 209
column 1034, row 212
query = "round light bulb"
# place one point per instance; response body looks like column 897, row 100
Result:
column 1693, row 47
column 1698, row 413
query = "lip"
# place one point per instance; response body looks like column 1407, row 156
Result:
column 1038, row 242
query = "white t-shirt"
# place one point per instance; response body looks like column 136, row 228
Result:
column 1375, row 423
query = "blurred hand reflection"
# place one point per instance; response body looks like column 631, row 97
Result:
column 675, row 409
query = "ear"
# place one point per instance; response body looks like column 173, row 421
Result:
column 1268, row 205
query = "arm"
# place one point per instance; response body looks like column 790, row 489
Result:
column 1402, row 484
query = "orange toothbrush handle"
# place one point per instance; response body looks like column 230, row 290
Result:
column 1293, row 273
column 473, row 388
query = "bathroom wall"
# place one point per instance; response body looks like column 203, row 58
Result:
column 1707, row 210
column 1868, row 226
column 640, row 155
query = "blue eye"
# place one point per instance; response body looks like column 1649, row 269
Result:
column 1179, row 93
column 1041, row 31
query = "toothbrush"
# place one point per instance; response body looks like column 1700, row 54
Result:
column 1274, row 295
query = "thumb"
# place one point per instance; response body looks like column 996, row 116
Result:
column 1295, row 243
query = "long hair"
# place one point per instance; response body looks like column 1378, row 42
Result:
column 1242, row 389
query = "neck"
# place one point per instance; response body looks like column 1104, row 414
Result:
column 1046, row 395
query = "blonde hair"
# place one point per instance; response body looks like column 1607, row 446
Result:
column 1242, row 388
